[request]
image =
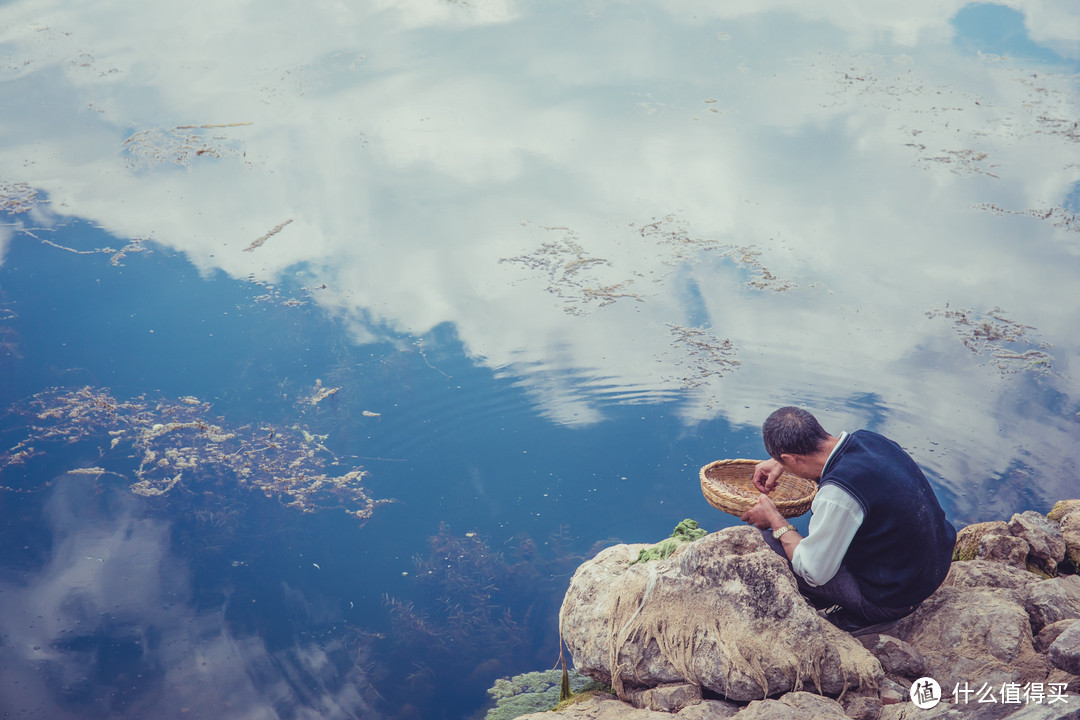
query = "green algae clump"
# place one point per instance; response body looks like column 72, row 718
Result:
column 685, row 532
column 534, row 692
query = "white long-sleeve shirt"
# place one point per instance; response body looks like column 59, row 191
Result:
column 835, row 517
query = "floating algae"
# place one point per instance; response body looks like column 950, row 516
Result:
column 175, row 443
column 1005, row 341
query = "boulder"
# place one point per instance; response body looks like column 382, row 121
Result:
column 1044, row 538
column 991, row 541
column 1064, row 652
column 603, row 707
column 974, row 632
column 897, row 658
column 1052, row 600
column 988, row 574
column 1006, row 549
column 668, row 698
column 709, row 710
column 987, row 711
column 794, row 706
column 861, row 704
column 968, row 538
column 722, row 612
column 1050, row 633
column 1066, row 514
column 722, row 617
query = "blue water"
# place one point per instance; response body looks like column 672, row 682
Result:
column 459, row 450
column 545, row 290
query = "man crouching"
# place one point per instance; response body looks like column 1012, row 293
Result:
column 878, row 542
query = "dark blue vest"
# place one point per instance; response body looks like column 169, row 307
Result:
column 903, row 549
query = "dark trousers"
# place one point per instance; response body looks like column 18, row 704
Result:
column 843, row 590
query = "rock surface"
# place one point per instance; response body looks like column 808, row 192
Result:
column 719, row 630
column 1044, row 538
column 1064, row 652
column 1067, row 515
column 723, row 613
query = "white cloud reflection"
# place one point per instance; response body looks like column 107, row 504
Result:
column 418, row 147
column 108, row 627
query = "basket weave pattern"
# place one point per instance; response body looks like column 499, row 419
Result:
column 728, row 485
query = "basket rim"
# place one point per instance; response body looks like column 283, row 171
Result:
column 735, row 504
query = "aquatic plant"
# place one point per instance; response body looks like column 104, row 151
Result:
column 178, row 442
column 1007, row 342
column 534, row 692
column 685, row 532
column 485, row 614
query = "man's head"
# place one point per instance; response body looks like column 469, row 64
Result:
column 792, row 431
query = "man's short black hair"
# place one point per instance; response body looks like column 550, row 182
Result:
column 792, row 430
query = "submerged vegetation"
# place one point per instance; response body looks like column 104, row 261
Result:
column 486, row 615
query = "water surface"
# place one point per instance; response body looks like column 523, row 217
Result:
column 518, row 271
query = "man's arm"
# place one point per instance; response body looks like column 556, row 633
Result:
column 836, row 518
column 764, row 516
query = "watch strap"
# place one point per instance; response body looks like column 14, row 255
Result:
column 780, row 531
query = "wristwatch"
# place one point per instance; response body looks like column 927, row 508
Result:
column 780, row 531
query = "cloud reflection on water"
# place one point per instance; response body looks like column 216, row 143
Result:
column 879, row 171
column 107, row 626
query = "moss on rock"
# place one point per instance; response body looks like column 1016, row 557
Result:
column 967, row 540
column 534, row 692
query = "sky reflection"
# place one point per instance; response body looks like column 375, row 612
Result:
column 108, row 626
column 734, row 206
column 656, row 221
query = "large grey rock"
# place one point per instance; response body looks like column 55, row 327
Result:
column 723, row 612
column 1006, row 549
column 988, row 574
column 861, row 704
column 987, row 711
column 1045, row 638
column 603, row 708
column 608, row 708
column 709, row 710
column 1066, row 514
column 1043, row 536
column 968, row 538
column 897, row 658
column 979, row 633
column 1064, row 652
column 1052, row 600
column 667, row 698
column 794, row 706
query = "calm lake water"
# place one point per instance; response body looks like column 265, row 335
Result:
column 333, row 338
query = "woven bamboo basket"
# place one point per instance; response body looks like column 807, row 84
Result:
column 728, row 485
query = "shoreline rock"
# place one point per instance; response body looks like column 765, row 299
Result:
column 719, row 630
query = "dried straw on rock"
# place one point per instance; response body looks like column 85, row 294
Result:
column 723, row 612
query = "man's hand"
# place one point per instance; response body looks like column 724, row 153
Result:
column 766, row 474
column 764, row 515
